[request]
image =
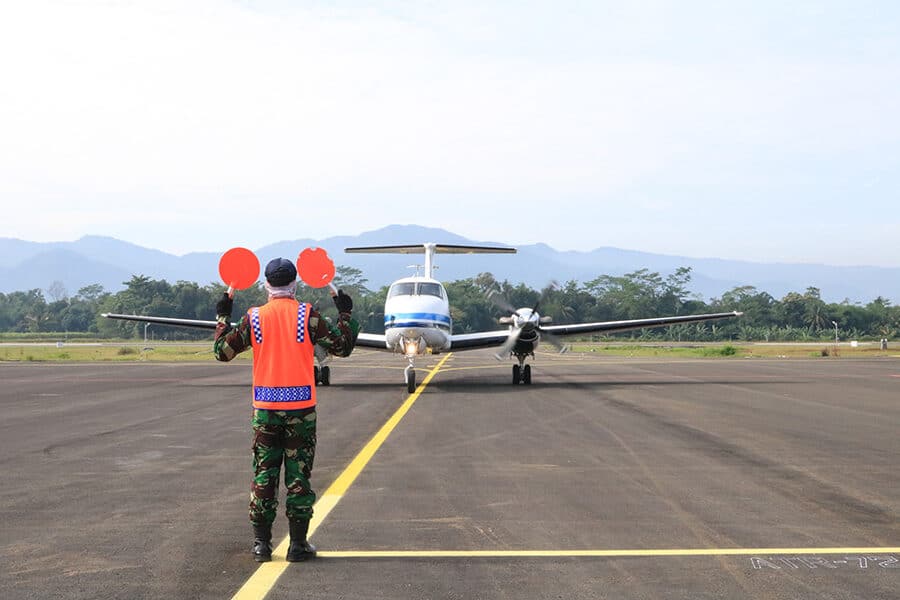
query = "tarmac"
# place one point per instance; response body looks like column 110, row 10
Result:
column 605, row 478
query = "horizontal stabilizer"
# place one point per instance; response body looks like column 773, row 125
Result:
column 438, row 249
column 429, row 249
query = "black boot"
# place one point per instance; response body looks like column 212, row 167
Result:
column 300, row 549
column 262, row 543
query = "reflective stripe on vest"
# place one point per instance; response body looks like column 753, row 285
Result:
column 254, row 324
column 283, row 356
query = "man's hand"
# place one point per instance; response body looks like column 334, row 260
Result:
column 225, row 306
column 343, row 302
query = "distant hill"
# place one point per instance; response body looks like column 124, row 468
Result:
column 110, row 262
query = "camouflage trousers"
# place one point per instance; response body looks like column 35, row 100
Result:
column 287, row 437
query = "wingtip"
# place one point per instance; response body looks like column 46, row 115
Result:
column 738, row 313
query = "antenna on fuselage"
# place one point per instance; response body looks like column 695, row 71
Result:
column 416, row 267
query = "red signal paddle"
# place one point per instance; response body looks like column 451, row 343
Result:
column 316, row 269
column 239, row 269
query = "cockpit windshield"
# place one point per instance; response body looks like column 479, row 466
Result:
column 406, row 288
column 430, row 289
column 410, row 288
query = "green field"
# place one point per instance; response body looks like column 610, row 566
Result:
column 737, row 350
column 125, row 352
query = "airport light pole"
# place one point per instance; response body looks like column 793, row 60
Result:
column 147, row 325
column 835, row 332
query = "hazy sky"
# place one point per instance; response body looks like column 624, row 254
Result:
column 760, row 130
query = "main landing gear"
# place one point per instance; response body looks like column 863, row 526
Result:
column 521, row 373
column 323, row 375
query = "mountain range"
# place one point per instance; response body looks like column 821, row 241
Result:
column 110, row 262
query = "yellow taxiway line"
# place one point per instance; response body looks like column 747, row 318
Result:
column 268, row 573
column 599, row 553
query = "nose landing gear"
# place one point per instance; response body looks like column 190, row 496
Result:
column 410, row 374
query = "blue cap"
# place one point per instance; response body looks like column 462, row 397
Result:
column 280, row 272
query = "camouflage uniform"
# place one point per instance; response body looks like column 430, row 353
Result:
column 287, row 437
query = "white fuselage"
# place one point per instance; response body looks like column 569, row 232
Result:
column 417, row 316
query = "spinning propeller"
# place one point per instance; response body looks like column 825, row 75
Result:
column 525, row 321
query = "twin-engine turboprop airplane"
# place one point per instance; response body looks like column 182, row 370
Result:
column 417, row 320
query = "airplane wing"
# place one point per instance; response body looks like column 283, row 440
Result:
column 616, row 326
column 195, row 323
column 371, row 340
column 489, row 339
column 482, row 339
column 365, row 340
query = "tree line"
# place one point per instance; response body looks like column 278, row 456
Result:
column 476, row 304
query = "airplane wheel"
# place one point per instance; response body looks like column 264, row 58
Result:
column 326, row 375
column 411, row 382
column 526, row 375
column 316, row 375
column 516, row 374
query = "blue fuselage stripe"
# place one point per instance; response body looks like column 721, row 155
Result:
column 416, row 320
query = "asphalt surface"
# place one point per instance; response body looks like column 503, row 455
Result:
column 731, row 478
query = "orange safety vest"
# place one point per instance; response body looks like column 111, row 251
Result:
column 283, row 356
